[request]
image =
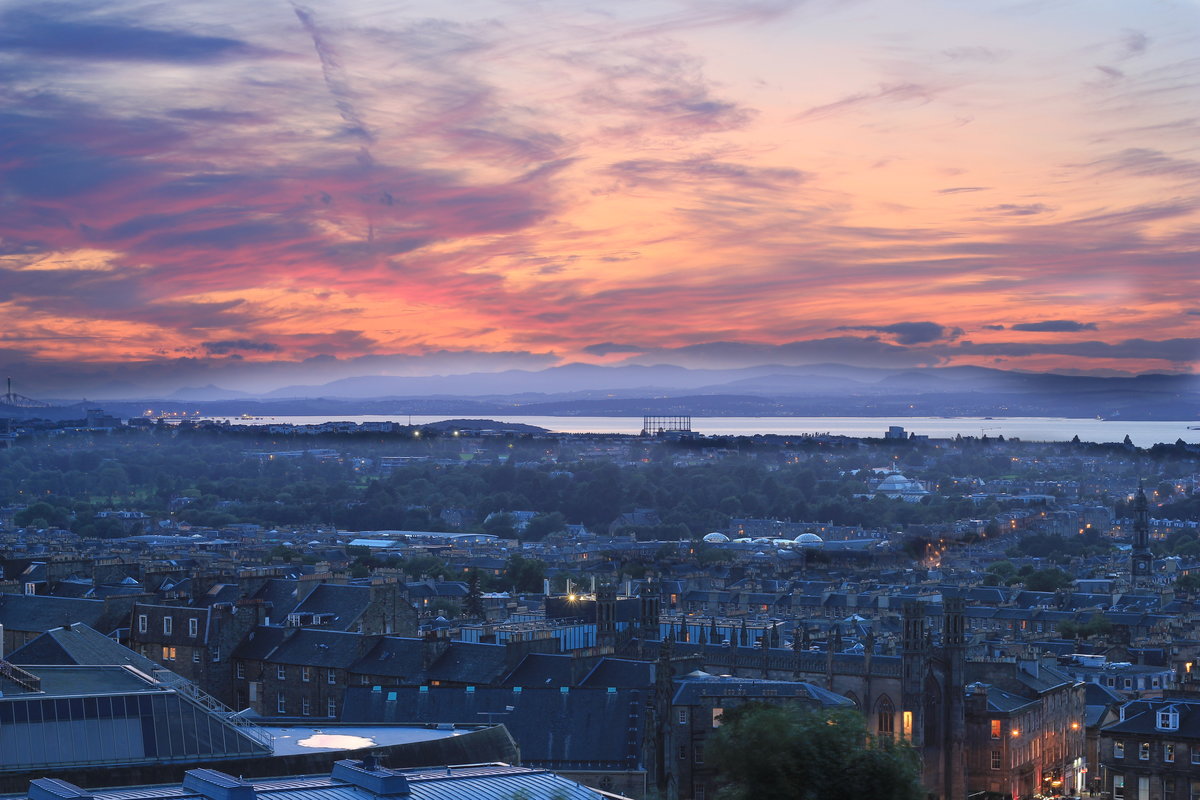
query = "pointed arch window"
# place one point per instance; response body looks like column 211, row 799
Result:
column 885, row 717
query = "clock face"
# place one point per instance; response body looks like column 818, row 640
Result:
column 1140, row 566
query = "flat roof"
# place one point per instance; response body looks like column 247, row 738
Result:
column 299, row 739
column 72, row 680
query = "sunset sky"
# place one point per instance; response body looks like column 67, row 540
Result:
column 254, row 194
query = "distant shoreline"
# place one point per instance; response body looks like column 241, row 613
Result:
column 1143, row 433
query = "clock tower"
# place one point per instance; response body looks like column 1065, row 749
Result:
column 1140, row 559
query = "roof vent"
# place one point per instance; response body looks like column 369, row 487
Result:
column 55, row 789
column 216, row 785
column 368, row 775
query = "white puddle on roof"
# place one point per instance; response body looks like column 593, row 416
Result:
column 335, row 741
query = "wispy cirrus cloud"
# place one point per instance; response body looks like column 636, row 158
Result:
column 555, row 182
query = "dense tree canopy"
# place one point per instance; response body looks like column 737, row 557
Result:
column 792, row 753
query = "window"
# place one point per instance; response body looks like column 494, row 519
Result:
column 240, row 670
column 193, row 627
column 1144, row 751
column 305, row 707
column 281, row 703
column 331, row 676
column 698, row 753
column 716, row 717
column 1195, row 753
column 885, row 717
column 216, row 655
column 683, row 716
column 167, row 625
column 281, row 672
column 995, row 759
column 1118, row 787
column 331, row 708
column 1129, row 683
column 1118, row 749
column 143, row 623
column 995, row 729
column 168, row 654
column 195, row 655
column 682, row 753
column 306, row 674
column 698, row 792
column 1169, row 751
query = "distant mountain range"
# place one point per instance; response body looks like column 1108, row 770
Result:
column 815, row 390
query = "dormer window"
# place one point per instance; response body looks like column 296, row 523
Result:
column 1168, row 719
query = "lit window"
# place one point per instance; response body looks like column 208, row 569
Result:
column 1144, row 751
column 908, row 724
column 716, row 717
column 1169, row 751
column 168, row 654
column 1118, row 749
column 996, row 729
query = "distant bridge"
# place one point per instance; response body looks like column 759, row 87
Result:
column 11, row 398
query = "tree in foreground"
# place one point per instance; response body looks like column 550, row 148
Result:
column 793, row 753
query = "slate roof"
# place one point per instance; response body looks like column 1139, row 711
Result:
column 79, row 644
column 541, row 669
column 21, row 612
column 470, row 662
column 580, row 728
column 347, row 603
column 281, row 594
column 1141, row 717
column 393, row 657
column 692, row 689
column 621, row 673
column 308, row 647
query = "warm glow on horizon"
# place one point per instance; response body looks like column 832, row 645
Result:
column 386, row 188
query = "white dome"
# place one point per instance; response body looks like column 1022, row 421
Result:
column 716, row 537
column 809, row 538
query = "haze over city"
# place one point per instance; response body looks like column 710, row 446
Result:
column 259, row 195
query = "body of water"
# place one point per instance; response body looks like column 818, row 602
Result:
column 1040, row 429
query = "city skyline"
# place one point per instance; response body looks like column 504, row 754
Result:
column 231, row 192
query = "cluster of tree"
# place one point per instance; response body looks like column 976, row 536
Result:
column 791, row 753
column 210, row 478
column 1061, row 549
column 1096, row 626
column 1047, row 579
